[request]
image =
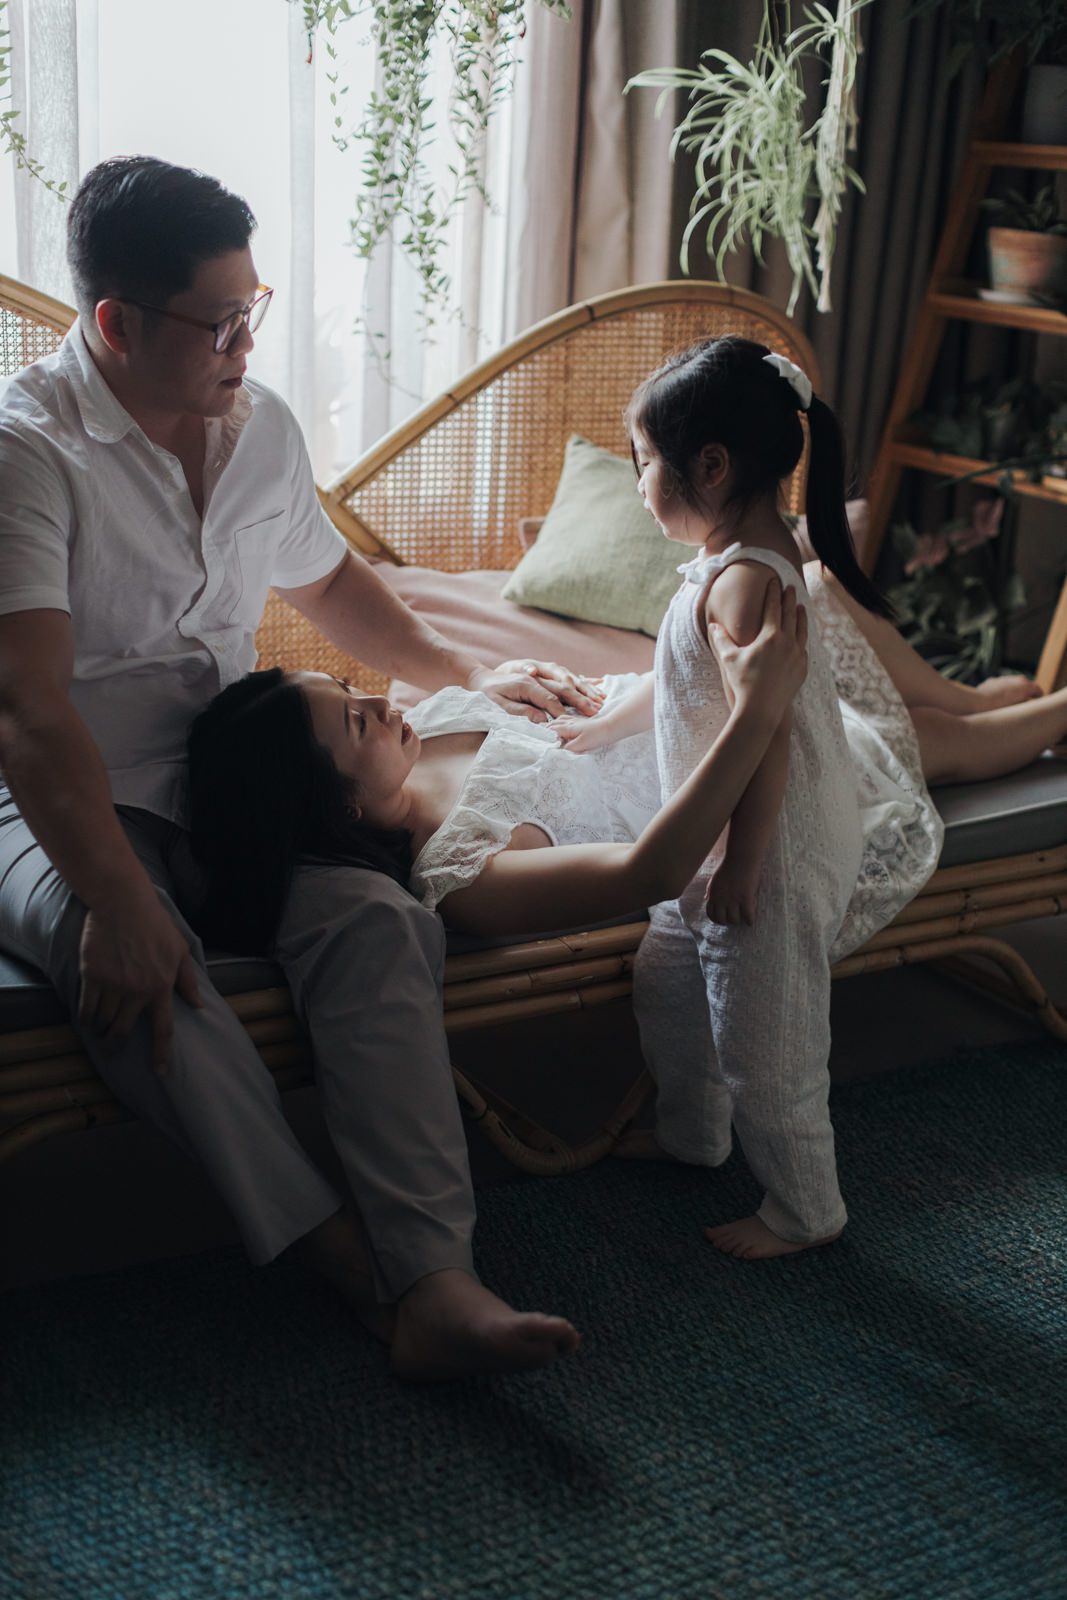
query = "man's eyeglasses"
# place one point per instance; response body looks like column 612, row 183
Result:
column 227, row 330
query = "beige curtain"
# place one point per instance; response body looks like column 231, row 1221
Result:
column 592, row 195
column 599, row 204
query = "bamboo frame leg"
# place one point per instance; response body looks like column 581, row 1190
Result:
column 36, row 1128
column 532, row 1148
column 1020, row 985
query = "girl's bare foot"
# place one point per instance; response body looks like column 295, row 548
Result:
column 1010, row 690
column 337, row 1252
column 752, row 1240
column 449, row 1325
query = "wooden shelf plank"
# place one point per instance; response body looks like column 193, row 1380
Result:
column 963, row 304
column 1004, row 153
column 943, row 465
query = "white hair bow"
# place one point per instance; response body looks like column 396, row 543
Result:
column 797, row 380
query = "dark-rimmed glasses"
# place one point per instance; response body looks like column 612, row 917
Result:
column 227, row 330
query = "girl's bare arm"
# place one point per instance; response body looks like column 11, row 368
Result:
column 634, row 713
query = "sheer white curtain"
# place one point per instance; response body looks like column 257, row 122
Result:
column 228, row 88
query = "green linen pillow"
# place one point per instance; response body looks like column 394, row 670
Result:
column 599, row 556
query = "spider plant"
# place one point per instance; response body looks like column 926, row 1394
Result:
column 761, row 167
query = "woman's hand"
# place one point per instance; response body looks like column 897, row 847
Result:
column 538, row 689
column 767, row 673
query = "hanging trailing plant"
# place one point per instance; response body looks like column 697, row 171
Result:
column 761, row 168
column 398, row 196
column 11, row 139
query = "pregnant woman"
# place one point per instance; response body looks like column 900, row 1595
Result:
column 462, row 801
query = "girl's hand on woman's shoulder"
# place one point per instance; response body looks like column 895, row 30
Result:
column 767, row 673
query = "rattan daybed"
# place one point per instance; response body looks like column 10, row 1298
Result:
column 448, row 490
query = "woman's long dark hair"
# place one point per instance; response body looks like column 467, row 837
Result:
column 722, row 391
column 263, row 795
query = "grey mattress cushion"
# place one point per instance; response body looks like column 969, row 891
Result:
column 1005, row 817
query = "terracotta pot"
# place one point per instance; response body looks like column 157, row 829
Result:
column 1027, row 263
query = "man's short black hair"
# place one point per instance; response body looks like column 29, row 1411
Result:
column 139, row 228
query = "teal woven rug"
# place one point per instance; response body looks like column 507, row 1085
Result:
column 884, row 1418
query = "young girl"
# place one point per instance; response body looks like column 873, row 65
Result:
column 732, row 985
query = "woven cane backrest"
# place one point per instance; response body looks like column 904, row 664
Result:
column 31, row 326
column 449, row 493
column 449, row 487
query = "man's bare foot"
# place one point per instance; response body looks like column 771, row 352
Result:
column 752, row 1240
column 337, row 1252
column 1010, row 690
column 640, row 1144
column 449, row 1325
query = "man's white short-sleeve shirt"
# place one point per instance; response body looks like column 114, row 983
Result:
column 97, row 521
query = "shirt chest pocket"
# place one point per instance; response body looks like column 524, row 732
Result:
column 249, row 568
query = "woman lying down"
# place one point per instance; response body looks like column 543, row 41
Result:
column 462, row 801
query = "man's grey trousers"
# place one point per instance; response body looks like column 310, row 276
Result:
column 364, row 962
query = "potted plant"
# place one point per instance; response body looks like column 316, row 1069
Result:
column 959, row 592
column 1027, row 247
column 998, row 28
column 764, row 168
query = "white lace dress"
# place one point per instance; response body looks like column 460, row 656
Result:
column 902, row 830
column 521, row 774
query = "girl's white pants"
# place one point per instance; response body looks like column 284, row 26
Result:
column 735, row 1028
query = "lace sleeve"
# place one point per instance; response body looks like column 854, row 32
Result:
column 457, row 853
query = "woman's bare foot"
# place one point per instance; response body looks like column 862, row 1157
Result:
column 449, row 1325
column 1010, row 690
column 640, row 1144
column 752, row 1240
column 337, row 1252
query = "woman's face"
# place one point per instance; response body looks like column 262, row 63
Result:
column 367, row 738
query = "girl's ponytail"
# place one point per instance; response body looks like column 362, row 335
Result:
column 828, row 530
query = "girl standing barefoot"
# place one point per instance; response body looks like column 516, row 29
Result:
column 732, row 985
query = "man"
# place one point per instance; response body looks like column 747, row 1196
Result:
column 150, row 495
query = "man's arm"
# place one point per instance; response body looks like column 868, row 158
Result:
column 132, row 955
column 359, row 613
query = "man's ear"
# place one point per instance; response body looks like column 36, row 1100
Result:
column 714, row 464
column 113, row 320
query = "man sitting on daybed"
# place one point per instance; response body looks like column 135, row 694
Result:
column 150, row 496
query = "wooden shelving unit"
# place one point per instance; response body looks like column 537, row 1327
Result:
column 960, row 302
column 951, row 298
column 944, row 465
